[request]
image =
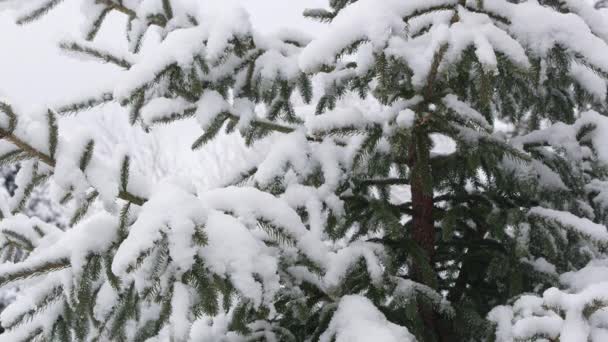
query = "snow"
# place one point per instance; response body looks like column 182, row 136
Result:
column 106, row 299
column 291, row 150
column 547, row 326
column 178, row 204
column 154, row 220
column 582, row 225
column 406, row 118
column 163, row 108
column 502, row 316
column 478, row 30
column 273, row 65
column 558, row 313
column 178, row 48
column 250, row 204
column 92, row 236
column 358, row 320
column 542, row 265
column 232, row 24
column 28, row 299
column 593, row 18
column 564, row 137
column 408, row 290
column 568, row 30
column 210, row 329
column 209, row 106
column 345, row 258
column 589, row 80
column 27, row 227
column 236, row 254
column 180, row 306
column 363, row 20
column 43, row 322
column 596, row 271
column 465, row 111
column 340, row 118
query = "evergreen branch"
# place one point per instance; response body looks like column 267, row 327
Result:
column 165, row 119
column 26, row 148
column 213, row 129
column 159, row 20
column 53, row 133
column 129, row 197
column 242, row 178
column 29, row 272
column 46, row 159
column 168, row 9
column 319, row 14
column 12, row 118
column 86, row 156
column 429, row 89
column 97, row 24
column 38, row 12
column 85, row 104
column 276, row 233
column 112, row 278
column 136, row 106
column 494, row 16
column 55, row 294
column 384, row 181
column 124, row 173
column 13, row 157
column 28, row 191
column 272, row 126
column 19, row 239
column 82, row 211
column 125, row 310
column 581, row 59
column 428, row 10
column 104, row 56
column 217, row 124
column 117, row 6
column 124, row 221
column 32, row 335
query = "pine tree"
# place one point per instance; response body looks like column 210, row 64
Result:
column 352, row 227
column 506, row 212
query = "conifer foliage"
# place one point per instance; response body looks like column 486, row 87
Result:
column 353, row 226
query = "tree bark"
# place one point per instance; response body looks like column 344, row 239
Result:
column 423, row 230
column 423, row 226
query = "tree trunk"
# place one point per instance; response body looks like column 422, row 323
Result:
column 423, row 226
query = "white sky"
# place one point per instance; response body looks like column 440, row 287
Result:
column 33, row 72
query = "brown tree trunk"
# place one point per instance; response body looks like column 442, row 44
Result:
column 423, row 226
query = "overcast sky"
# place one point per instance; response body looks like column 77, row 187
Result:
column 33, row 72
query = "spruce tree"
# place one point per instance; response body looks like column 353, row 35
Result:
column 352, row 226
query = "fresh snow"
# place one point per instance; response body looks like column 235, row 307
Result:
column 269, row 234
column 358, row 320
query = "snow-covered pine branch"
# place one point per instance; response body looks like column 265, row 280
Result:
column 351, row 225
